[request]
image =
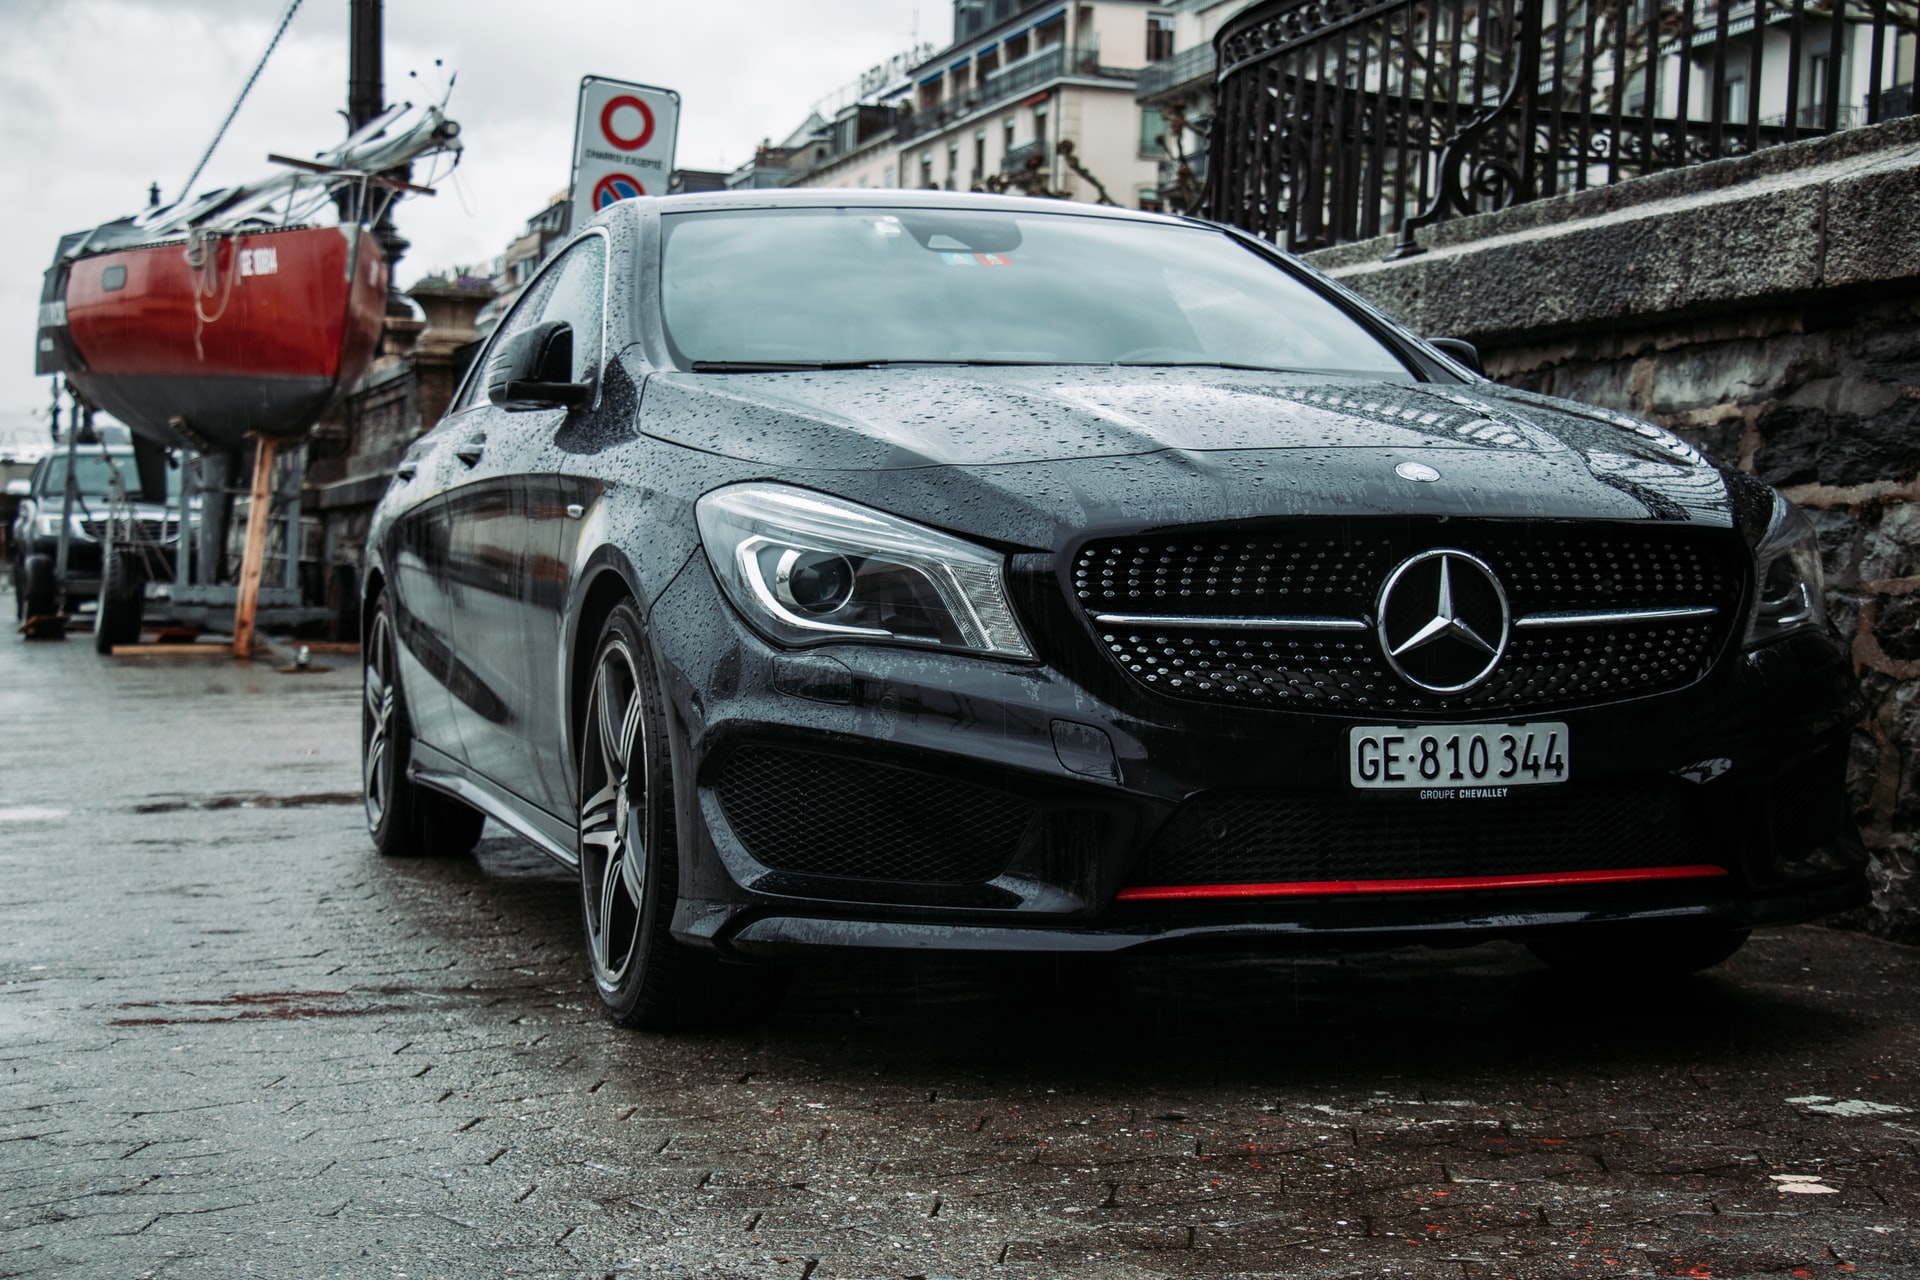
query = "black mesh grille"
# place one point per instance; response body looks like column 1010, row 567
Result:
column 147, row 530
column 815, row 814
column 1337, row 572
column 1244, row 837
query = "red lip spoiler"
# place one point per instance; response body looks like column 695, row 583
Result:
column 1430, row 884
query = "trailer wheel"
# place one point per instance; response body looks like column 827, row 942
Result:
column 117, row 617
column 39, row 593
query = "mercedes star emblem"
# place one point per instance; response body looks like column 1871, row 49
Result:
column 1416, row 471
column 1443, row 620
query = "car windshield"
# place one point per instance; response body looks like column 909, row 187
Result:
column 745, row 289
column 94, row 476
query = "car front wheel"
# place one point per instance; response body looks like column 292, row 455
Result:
column 629, row 854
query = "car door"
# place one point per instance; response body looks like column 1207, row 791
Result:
column 508, row 521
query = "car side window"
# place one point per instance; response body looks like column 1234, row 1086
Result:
column 526, row 312
column 578, row 296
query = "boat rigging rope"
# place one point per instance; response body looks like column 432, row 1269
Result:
column 203, row 260
column 186, row 188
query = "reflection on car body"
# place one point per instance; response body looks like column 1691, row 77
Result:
column 911, row 570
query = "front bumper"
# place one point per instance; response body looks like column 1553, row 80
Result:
column 83, row 561
column 1753, row 757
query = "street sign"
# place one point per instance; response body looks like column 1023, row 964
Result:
column 623, row 138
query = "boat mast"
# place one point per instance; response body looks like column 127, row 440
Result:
column 366, row 99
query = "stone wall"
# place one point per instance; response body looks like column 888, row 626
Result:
column 1767, row 309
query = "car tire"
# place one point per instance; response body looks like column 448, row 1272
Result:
column 629, row 855
column 122, row 604
column 404, row 818
column 1637, row 951
column 39, row 593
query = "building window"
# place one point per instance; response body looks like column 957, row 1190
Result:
column 1006, row 132
column 886, row 179
column 1149, row 200
column 979, row 156
column 1153, row 133
column 953, row 165
column 1733, row 100
column 926, row 171
column 1819, row 85
column 1159, row 36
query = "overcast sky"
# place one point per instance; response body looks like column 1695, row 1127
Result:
column 98, row 98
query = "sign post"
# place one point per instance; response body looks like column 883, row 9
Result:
column 623, row 140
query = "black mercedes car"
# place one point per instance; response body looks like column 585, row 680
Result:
column 842, row 569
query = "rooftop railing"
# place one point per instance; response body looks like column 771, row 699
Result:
column 1341, row 120
column 1016, row 81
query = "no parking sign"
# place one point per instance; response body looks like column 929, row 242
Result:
column 623, row 140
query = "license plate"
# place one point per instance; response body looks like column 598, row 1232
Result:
column 1476, row 758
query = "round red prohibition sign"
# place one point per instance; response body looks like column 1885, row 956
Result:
column 615, row 186
column 646, row 123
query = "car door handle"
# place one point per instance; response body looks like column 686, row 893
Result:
column 470, row 452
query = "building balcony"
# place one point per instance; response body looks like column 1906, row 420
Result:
column 1027, row 153
column 1181, row 73
column 1017, row 81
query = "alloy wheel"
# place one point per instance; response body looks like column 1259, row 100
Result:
column 613, row 854
column 377, row 720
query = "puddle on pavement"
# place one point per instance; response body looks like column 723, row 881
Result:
column 260, row 800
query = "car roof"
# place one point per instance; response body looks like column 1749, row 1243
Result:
column 877, row 198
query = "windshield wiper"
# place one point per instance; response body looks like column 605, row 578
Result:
column 772, row 366
column 1208, row 364
column 787, row 366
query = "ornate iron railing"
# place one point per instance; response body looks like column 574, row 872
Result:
column 1341, row 120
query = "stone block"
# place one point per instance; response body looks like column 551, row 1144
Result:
column 1718, row 440
column 1804, row 445
column 1890, row 355
column 1841, row 535
column 1891, row 549
column 1898, row 628
column 1872, row 231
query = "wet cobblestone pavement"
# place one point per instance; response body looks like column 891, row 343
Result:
column 233, row 1041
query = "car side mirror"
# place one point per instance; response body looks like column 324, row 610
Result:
column 19, row 488
column 1462, row 352
column 533, row 370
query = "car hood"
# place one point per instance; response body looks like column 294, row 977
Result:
column 1028, row 455
column 92, row 508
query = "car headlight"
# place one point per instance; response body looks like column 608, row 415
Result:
column 1792, row 594
column 805, row 568
column 46, row 526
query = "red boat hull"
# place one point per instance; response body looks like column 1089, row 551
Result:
column 259, row 338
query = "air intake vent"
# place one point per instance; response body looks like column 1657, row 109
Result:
column 815, row 814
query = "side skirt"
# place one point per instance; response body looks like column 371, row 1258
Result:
column 444, row 774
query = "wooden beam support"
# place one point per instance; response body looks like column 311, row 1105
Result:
column 259, row 517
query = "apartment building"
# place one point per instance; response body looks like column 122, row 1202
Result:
column 1175, row 94
column 991, row 111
